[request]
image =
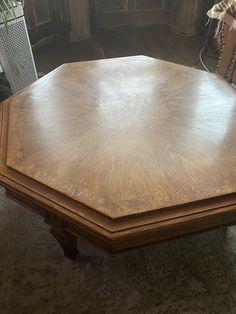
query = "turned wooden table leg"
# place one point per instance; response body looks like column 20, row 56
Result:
column 67, row 241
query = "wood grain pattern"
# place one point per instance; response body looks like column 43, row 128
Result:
column 124, row 144
column 123, row 152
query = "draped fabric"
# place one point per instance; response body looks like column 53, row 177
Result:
column 226, row 11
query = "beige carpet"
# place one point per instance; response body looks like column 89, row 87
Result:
column 196, row 274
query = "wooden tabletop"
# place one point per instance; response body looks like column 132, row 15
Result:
column 123, row 136
column 127, row 135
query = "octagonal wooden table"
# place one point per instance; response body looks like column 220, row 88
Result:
column 122, row 152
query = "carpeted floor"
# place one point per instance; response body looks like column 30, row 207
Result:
column 196, row 274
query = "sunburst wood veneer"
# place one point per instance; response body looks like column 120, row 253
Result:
column 122, row 152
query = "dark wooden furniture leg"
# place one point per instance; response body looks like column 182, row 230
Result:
column 67, row 241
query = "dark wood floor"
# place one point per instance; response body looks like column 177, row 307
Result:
column 155, row 41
